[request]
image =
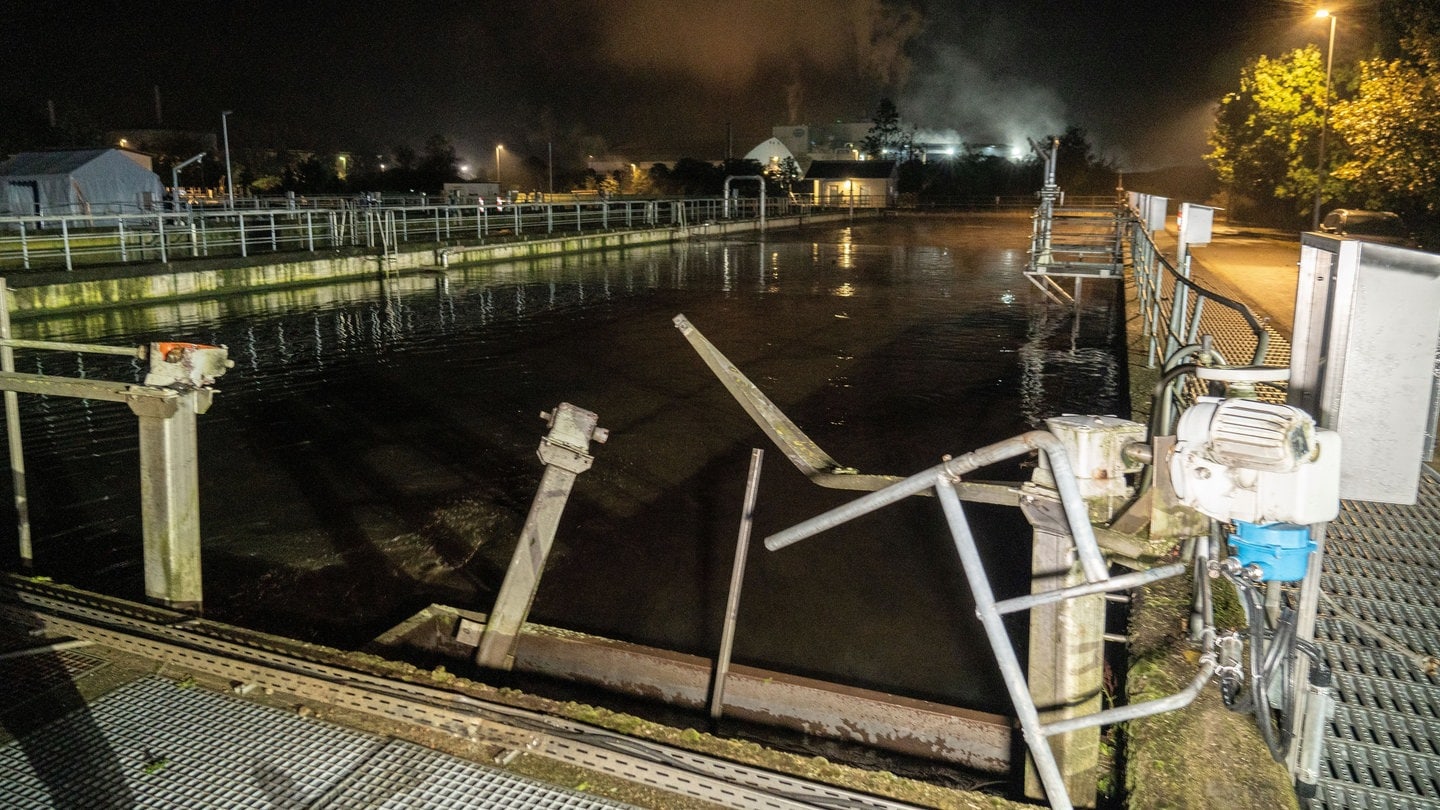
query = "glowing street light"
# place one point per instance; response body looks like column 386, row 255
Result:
column 1324, row 119
column 498, row 148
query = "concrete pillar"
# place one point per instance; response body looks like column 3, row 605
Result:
column 170, row 495
column 1067, row 643
column 1066, row 663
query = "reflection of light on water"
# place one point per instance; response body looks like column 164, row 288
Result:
column 844, row 290
column 1007, row 297
column 847, row 250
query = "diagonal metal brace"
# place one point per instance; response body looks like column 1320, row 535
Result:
column 565, row 451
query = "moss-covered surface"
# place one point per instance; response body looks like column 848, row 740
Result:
column 1202, row 756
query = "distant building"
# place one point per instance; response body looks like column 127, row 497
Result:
column 88, row 182
column 861, row 183
column 838, row 141
column 770, row 154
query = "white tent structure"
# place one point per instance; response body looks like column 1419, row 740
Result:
column 88, row 182
column 770, row 153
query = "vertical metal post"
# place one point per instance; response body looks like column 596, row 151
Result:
column 240, row 218
column 274, row 243
column 160, row 225
column 1030, row 727
column 13, row 435
column 565, row 453
column 737, row 578
column 310, row 231
column 170, row 495
column 65, row 240
column 24, row 247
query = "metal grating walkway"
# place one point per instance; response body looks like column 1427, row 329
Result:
column 1382, row 568
column 153, row 743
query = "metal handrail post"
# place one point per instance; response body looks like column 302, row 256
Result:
column 65, row 241
column 999, row 638
column 13, row 435
column 240, row 226
column 737, row 578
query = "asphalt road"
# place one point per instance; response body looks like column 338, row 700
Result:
column 1256, row 266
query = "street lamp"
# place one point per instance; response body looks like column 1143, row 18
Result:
column 1324, row 120
column 498, row 148
column 229, row 179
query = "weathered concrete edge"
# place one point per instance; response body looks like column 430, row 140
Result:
column 174, row 282
column 1204, row 755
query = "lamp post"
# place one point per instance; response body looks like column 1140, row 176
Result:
column 1324, row 119
column 498, row 148
column 229, row 179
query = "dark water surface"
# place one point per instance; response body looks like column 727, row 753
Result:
column 373, row 450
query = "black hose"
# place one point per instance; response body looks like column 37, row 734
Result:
column 1258, row 698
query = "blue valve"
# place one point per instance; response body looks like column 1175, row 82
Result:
column 1280, row 550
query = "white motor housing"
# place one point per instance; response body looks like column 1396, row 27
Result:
column 1255, row 462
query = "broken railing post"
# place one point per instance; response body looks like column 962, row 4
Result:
column 565, row 453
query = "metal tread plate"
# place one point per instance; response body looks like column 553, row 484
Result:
column 1418, row 627
column 1337, row 794
column 1386, row 769
column 1379, row 692
column 1377, row 664
column 152, row 743
column 1391, row 568
column 1388, row 729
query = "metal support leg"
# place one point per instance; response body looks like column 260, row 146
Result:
column 1030, row 726
column 565, row 453
column 170, row 496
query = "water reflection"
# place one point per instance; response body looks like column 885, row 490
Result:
column 373, row 449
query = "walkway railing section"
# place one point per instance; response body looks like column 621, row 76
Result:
column 67, row 241
column 1187, row 326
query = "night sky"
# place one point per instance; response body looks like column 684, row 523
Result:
column 647, row 79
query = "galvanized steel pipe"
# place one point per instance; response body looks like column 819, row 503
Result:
column 1076, row 513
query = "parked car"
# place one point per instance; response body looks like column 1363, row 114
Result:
column 1371, row 226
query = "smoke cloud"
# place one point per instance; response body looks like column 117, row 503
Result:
column 981, row 104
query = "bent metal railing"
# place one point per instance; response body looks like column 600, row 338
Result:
column 64, row 241
column 941, row 480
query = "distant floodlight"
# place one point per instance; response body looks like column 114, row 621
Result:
column 1322, row 13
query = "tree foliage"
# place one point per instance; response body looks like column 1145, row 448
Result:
column 885, row 137
column 1392, row 129
column 1078, row 170
column 1265, row 143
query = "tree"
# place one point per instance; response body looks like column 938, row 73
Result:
column 784, row 174
column 1077, row 169
column 885, row 137
column 1264, row 145
column 1392, row 128
column 438, row 163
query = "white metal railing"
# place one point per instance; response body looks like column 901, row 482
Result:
column 55, row 241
